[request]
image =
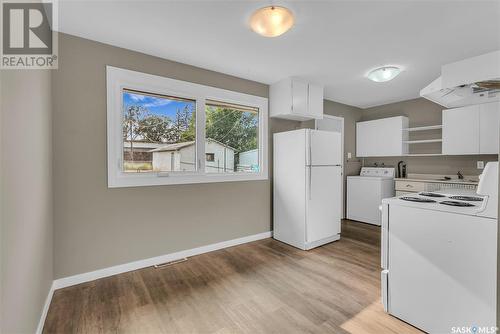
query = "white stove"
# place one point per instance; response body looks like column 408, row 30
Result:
column 468, row 203
column 439, row 257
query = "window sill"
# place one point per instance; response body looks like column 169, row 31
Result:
column 155, row 179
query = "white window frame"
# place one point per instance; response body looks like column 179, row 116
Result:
column 119, row 79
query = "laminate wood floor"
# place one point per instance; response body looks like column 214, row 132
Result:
column 260, row 287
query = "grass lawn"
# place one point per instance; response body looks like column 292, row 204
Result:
column 141, row 166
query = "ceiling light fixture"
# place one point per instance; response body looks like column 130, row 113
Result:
column 271, row 21
column 384, row 73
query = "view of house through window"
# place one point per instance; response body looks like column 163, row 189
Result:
column 232, row 135
column 159, row 133
column 210, row 156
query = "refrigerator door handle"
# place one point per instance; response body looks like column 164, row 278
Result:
column 310, row 148
column 384, row 279
column 310, row 183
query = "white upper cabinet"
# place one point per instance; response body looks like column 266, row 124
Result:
column 471, row 129
column 299, row 97
column 382, row 137
column 315, row 94
column 488, row 127
column 296, row 99
column 461, row 130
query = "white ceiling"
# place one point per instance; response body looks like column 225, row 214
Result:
column 333, row 42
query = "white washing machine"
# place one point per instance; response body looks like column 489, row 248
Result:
column 366, row 191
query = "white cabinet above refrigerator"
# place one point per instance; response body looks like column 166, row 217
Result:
column 296, row 99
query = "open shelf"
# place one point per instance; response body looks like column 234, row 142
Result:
column 424, row 128
column 423, row 141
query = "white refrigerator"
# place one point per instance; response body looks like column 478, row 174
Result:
column 307, row 187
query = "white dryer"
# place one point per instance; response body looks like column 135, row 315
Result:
column 366, row 191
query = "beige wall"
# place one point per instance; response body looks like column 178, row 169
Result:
column 97, row 227
column 422, row 112
column 351, row 115
column 26, row 203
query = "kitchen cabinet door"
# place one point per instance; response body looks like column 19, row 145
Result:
column 382, row 137
column 488, row 128
column 365, row 132
column 300, row 97
column 280, row 99
column 461, row 130
column 315, row 99
column 296, row 99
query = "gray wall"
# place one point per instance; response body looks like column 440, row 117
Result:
column 97, row 227
column 26, row 203
column 422, row 112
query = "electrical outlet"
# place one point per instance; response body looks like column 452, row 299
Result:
column 480, row 164
column 349, row 155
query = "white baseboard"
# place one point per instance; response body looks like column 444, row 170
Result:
column 122, row 268
column 45, row 309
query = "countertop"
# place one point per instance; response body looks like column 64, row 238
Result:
column 468, row 179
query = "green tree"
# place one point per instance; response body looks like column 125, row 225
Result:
column 234, row 128
column 131, row 117
column 155, row 128
column 183, row 125
column 190, row 133
column 140, row 124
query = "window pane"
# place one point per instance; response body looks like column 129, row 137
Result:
column 232, row 138
column 158, row 133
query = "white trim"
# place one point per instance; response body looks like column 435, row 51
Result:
column 122, row 268
column 117, row 79
column 45, row 309
column 344, row 160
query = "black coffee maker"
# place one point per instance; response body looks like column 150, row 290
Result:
column 402, row 169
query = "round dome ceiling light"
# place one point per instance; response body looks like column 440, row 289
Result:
column 271, row 21
column 384, row 73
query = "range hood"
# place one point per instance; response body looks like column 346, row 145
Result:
column 471, row 81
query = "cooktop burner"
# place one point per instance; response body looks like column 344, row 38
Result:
column 467, row 198
column 418, row 199
column 431, row 194
column 456, row 203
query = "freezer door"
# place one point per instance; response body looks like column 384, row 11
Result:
column 323, row 209
column 325, row 148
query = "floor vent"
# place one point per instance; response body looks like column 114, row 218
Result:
column 166, row 264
